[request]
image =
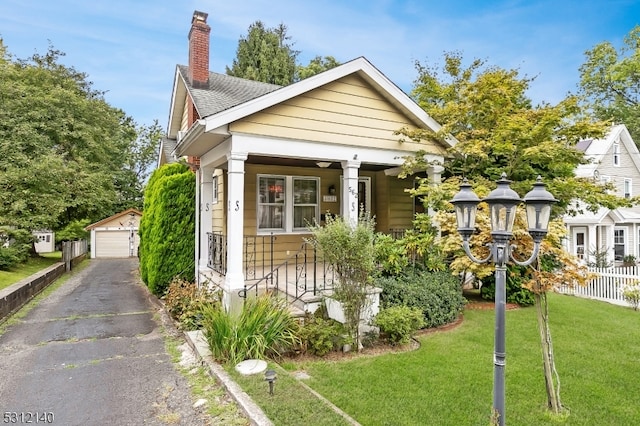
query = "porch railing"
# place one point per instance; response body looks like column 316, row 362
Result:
column 217, row 257
column 303, row 273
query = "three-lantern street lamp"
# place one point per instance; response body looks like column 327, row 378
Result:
column 502, row 203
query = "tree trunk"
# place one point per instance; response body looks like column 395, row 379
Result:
column 551, row 378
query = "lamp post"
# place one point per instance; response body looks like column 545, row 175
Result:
column 502, row 202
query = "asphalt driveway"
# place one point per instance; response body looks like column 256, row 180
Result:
column 93, row 353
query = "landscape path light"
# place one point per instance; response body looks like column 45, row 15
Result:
column 503, row 202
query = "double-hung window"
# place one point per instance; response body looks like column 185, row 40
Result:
column 616, row 154
column 287, row 203
column 619, row 244
column 627, row 188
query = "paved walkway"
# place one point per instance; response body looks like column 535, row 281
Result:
column 93, row 353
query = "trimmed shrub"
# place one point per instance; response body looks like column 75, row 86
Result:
column 437, row 294
column 167, row 228
column 264, row 328
column 320, row 336
column 398, row 323
column 515, row 293
column 184, row 302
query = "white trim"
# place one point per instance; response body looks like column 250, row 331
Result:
column 359, row 65
column 288, row 206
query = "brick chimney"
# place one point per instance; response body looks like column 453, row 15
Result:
column 199, row 50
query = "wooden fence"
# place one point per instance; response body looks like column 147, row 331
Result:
column 608, row 285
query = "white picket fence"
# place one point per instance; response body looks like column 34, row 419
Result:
column 607, row 286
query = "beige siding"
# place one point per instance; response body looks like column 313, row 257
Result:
column 184, row 122
column 395, row 207
column 347, row 111
column 217, row 213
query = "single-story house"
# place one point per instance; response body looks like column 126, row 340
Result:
column 270, row 160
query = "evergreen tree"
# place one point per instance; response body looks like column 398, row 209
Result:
column 266, row 55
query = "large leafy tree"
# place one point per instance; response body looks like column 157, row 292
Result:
column 610, row 81
column 265, row 54
column 66, row 155
column 316, row 66
column 498, row 130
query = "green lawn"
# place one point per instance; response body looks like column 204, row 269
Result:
column 448, row 381
column 32, row 266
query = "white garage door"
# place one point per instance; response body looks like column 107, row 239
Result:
column 112, row 244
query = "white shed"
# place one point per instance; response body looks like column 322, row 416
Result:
column 116, row 236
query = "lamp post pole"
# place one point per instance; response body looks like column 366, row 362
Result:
column 502, row 203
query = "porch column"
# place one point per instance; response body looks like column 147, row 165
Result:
column 205, row 208
column 234, row 278
column 434, row 173
column 350, row 191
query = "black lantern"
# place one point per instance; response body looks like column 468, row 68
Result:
column 502, row 203
column 270, row 376
column 466, row 204
column 539, row 202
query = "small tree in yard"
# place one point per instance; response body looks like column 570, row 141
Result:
column 349, row 250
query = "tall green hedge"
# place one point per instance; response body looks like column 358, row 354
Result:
column 167, row 227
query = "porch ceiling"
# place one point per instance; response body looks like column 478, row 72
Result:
column 294, row 162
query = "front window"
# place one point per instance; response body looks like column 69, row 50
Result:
column 271, row 202
column 305, row 202
column 287, row 203
column 618, row 244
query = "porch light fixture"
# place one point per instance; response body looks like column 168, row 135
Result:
column 323, row 164
column 503, row 202
column 270, row 376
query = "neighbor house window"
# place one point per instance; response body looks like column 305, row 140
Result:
column 580, row 245
column 214, row 188
column 287, row 203
column 627, row 188
column 616, row 154
column 619, row 244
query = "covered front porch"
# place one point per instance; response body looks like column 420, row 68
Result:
column 255, row 211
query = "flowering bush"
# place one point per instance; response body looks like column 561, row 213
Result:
column 631, row 293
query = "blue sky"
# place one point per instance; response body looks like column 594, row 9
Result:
column 130, row 48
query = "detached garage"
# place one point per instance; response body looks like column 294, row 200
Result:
column 116, row 236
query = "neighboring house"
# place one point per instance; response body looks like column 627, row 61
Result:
column 616, row 232
column 45, row 241
column 270, row 160
column 116, row 236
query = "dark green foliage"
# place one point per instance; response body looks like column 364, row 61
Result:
column 398, row 323
column 184, row 302
column 437, row 294
column 167, row 227
column 73, row 231
column 320, row 336
column 18, row 246
column 515, row 292
column 265, row 54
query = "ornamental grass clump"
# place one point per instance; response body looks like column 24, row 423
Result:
column 264, row 328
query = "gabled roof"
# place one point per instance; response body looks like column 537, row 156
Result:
column 224, row 92
column 596, row 149
column 115, row 216
column 241, row 98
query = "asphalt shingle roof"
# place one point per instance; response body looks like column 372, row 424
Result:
column 224, row 92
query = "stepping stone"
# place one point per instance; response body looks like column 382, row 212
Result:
column 251, row 366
